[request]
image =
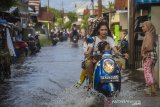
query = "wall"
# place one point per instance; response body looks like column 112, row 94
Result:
column 124, row 20
column 114, row 17
column 155, row 17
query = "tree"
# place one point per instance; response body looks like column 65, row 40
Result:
column 57, row 13
column 103, row 8
column 60, row 22
column 6, row 4
column 72, row 16
column 84, row 24
column 68, row 25
column 111, row 5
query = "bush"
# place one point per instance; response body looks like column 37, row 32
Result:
column 45, row 41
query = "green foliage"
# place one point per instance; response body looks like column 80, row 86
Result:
column 57, row 13
column 84, row 24
column 44, row 41
column 60, row 22
column 72, row 16
column 103, row 8
column 58, row 18
column 68, row 25
column 111, row 5
column 6, row 4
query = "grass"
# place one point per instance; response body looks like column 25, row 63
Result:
column 44, row 41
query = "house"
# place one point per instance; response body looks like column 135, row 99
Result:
column 34, row 5
column 90, row 12
column 23, row 9
column 65, row 18
column 45, row 17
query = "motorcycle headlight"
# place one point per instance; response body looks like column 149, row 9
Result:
column 108, row 65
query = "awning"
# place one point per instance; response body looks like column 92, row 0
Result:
column 12, row 15
column 147, row 1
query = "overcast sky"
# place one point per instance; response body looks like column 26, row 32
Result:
column 69, row 5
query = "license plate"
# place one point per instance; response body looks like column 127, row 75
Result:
column 114, row 78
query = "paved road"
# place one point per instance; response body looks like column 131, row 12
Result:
column 46, row 80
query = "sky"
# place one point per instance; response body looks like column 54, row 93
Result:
column 69, row 5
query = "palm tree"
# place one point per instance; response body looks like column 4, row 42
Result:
column 111, row 5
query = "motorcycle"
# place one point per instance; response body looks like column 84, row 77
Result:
column 37, row 42
column 60, row 36
column 54, row 39
column 107, row 76
column 21, row 48
column 32, row 44
column 123, row 45
column 74, row 38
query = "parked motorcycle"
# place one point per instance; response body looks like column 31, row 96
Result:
column 107, row 76
column 21, row 48
column 123, row 46
column 32, row 44
column 60, row 36
column 37, row 42
column 54, row 39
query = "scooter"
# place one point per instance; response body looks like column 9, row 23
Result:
column 32, row 44
column 54, row 39
column 74, row 38
column 37, row 42
column 21, row 48
column 107, row 76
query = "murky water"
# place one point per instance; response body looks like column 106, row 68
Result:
column 47, row 79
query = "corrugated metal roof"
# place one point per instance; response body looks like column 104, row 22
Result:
column 34, row 3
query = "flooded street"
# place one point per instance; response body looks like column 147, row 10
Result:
column 47, row 79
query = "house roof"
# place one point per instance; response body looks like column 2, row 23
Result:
column 35, row 4
column 44, row 15
column 88, row 12
column 121, row 4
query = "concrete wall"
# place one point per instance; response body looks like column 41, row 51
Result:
column 124, row 20
column 155, row 19
column 115, row 17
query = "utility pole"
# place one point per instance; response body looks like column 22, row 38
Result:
column 92, row 2
column 62, row 13
column 99, row 8
column 131, row 18
column 48, row 19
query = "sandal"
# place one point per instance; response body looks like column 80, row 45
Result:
column 78, row 84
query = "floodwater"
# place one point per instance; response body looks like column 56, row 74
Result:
column 47, row 79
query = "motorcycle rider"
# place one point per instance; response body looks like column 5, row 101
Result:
column 102, row 33
column 74, row 32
